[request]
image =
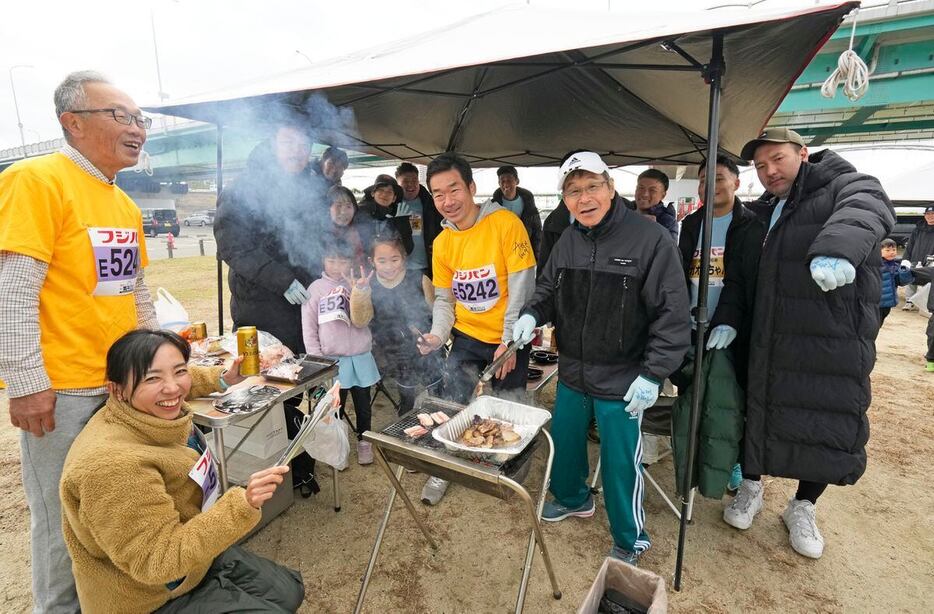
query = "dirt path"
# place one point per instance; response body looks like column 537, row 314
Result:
column 879, row 533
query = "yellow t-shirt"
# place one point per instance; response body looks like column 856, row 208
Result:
column 475, row 264
column 91, row 235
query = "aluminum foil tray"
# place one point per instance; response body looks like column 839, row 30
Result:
column 526, row 420
column 247, row 400
column 309, row 367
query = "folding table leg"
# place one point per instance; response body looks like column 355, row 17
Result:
column 596, row 476
column 337, row 490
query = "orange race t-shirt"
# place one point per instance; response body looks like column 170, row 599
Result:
column 91, row 235
column 475, row 264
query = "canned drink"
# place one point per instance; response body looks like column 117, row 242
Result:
column 537, row 338
column 248, row 347
column 199, row 331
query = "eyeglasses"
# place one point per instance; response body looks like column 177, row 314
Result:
column 576, row 193
column 122, row 117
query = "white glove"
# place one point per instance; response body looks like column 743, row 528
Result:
column 721, row 337
column 906, row 264
column 296, row 293
column 641, row 395
column 523, row 330
column 830, row 273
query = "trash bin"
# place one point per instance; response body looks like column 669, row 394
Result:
column 643, row 587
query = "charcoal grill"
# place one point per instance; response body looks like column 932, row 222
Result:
column 428, row 456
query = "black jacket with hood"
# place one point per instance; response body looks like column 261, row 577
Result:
column 741, row 267
column 530, row 217
column 252, row 230
column 811, row 352
column 617, row 297
column 374, row 219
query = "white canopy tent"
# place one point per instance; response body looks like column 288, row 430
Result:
column 636, row 87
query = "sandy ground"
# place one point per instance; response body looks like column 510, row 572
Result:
column 879, row 534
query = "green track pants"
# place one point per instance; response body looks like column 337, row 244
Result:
column 621, row 462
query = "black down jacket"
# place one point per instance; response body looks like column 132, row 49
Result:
column 920, row 244
column 811, row 351
column 263, row 227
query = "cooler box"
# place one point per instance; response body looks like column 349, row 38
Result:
column 267, row 439
column 643, row 587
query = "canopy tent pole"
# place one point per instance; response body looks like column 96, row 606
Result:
column 220, row 263
column 713, row 75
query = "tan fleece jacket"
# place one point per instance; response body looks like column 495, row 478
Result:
column 132, row 517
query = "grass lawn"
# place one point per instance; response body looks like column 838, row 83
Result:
column 193, row 281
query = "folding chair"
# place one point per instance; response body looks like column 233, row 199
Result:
column 656, row 420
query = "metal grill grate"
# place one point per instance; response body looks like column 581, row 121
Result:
column 426, row 405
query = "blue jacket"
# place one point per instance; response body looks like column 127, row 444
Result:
column 893, row 276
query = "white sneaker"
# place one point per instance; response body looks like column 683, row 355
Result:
column 745, row 505
column 433, row 491
column 800, row 519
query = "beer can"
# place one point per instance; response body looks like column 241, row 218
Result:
column 248, row 347
column 199, row 331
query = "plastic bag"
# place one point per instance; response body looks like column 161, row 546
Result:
column 328, row 442
column 271, row 350
column 920, row 299
column 170, row 313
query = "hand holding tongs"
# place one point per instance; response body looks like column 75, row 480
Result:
column 491, row 370
column 330, row 400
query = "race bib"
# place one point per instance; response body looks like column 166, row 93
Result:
column 335, row 306
column 716, row 267
column 204, row 473
column 476, row 289
column 116, row 260
column 415, row 221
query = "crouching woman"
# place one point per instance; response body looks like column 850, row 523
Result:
column 142, row 533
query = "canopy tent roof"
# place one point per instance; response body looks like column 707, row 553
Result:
column 627, row 85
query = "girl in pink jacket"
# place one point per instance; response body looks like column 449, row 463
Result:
column 335, row 323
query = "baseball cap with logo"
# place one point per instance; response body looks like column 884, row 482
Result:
column 772, row 135
column 929, row 209
column 581, row 161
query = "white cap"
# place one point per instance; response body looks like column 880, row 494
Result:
column 582, row 161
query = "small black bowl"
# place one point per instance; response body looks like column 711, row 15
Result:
column 535, row 374
column 542, row 357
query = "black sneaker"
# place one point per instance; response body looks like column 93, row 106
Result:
column 308, row 487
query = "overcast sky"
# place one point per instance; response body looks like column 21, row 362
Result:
column 209, row 44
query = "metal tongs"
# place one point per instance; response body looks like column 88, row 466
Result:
column 490, row 371
column 330, row 401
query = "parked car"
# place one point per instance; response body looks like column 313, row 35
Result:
column 156, row 221
column 198, row 219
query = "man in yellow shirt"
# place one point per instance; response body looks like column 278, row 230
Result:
column 71, row 282
column 484, row 272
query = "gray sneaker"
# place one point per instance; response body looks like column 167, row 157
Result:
column 433, row 491
column 745, row 505
column 554, row 511
column 625, row 556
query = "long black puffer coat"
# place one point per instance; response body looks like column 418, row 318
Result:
column 811, row 352
column 264, row 230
